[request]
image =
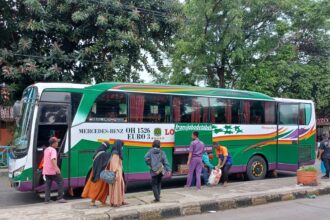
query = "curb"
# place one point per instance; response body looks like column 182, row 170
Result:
column 193, row 208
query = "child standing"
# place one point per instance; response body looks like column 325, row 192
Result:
column 157, row 161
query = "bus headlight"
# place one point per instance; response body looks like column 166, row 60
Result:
column 18, row 171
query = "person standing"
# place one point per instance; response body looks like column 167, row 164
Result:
column 157, row 161
column 117, row 189
column 324, row 153
column 195, row 163
column 95, row 188
column 52, row 172
column 225, row 161
column 207, row 167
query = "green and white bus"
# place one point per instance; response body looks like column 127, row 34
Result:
column 262, row 133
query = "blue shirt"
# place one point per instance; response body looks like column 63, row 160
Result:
column 206, row 160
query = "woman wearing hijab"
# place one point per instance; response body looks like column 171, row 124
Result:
column 117, row 189
column 95, row 188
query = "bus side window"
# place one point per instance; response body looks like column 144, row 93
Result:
column 305, row 113
column 109, row 107
column 288, row 114
column 270, row 113
column 225, row 111
column 218, row 111
column 189, row 109
column 75, row 102
column 254, row 112
column 150, row 108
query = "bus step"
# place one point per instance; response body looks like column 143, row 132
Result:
column 52, row 194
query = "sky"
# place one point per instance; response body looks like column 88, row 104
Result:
column 146, row 76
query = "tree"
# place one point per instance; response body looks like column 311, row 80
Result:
column 300, row 67
column 280, row 48
column 82, row 40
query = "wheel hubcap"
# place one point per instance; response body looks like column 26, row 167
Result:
column 257, row 169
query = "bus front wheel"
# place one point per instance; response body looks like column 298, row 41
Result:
column 256, row 168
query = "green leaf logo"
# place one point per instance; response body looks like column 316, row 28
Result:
column 158, row 132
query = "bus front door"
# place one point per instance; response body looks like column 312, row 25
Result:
column 53, row 120
column 288, row 136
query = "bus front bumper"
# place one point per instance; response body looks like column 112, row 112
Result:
column 23, row 186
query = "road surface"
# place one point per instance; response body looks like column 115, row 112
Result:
column 301, row 209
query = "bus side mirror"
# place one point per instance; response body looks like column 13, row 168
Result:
column 17, row 110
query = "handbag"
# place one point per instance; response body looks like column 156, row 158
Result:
column 108, row 176
column 160, row 170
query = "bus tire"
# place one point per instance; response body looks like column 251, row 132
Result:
column 256, row 168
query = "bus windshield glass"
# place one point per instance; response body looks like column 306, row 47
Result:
column 21, row 136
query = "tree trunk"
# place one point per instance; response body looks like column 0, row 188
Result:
column 221, row 75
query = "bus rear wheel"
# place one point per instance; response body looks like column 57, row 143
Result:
column 256, row 168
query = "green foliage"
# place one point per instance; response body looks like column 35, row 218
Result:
column 281, row 48
column 307, row 169
column 82, row 40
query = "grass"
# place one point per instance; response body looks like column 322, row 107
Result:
column 308, row 169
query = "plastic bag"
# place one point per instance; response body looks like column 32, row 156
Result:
column 322, row 167
column 214, row 177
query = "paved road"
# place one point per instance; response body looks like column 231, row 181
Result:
column 302, row 209
column 10, row 197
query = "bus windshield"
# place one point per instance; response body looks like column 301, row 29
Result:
column 22, row 132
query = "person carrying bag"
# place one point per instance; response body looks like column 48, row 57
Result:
column 157, row 161
column 117, row 188
column 96, row 189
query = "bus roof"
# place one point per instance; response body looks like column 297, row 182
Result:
column 293, row 100
column 42, row 86
column 179, row 90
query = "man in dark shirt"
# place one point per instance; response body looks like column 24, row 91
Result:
column 324, row 153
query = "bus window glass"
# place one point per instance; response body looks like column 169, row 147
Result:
column 288, row 114
column 149, row 108
column 22, row 132
column 75, row 101
column 188, row 109
column 61, row 97
column 254, row 112
column 270, row 113
column 225, row 111
column 200, row 112
column 53, row 113
column 218, row 111
column 109, row 107
column 305, row 114
column 233, row 111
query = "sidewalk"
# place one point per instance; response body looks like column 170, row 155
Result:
column 175, row 202
column 3, row 172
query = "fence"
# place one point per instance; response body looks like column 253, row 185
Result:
column 6, row 113
column 4, row 156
